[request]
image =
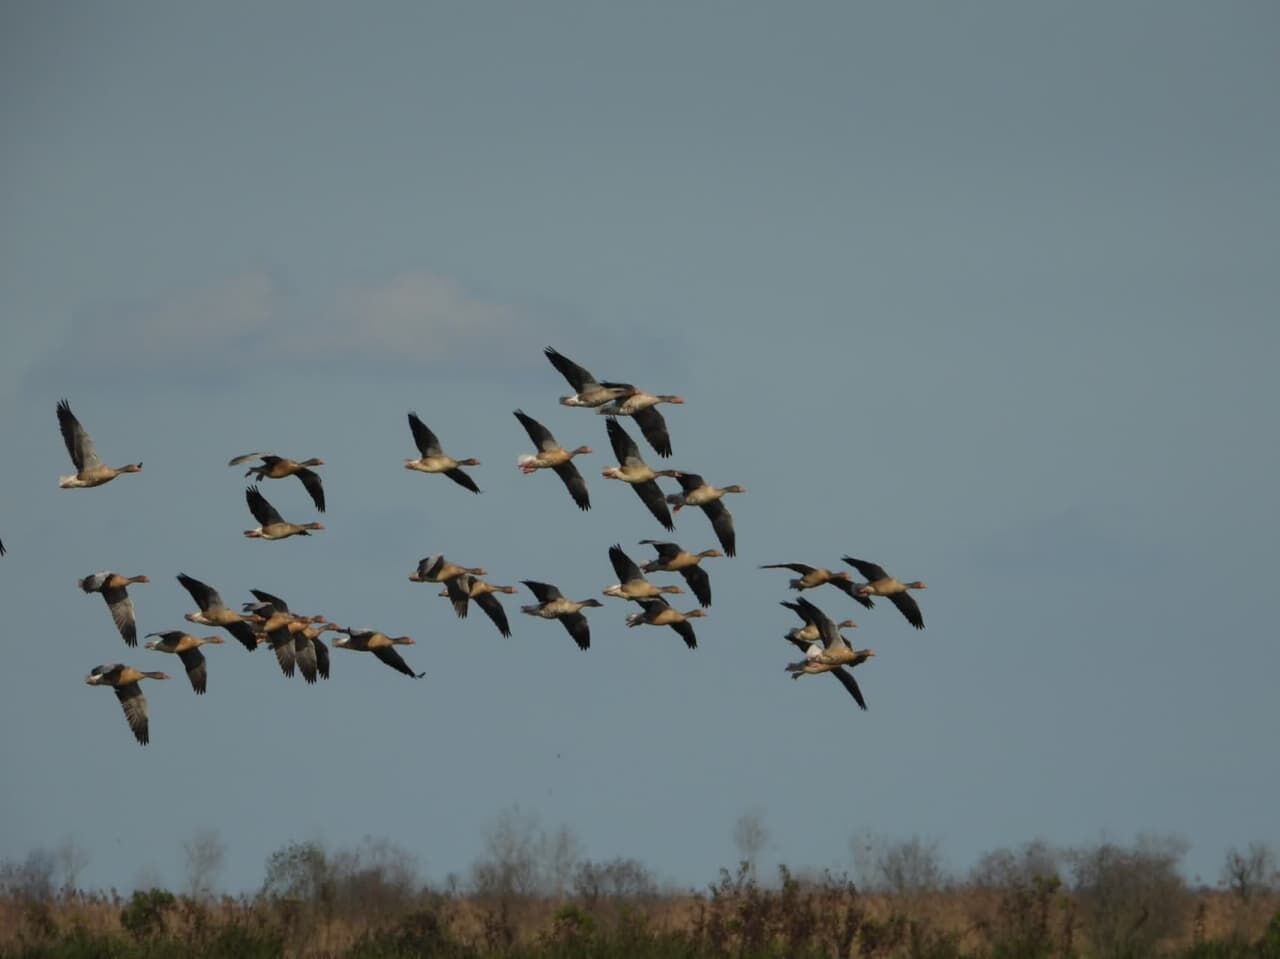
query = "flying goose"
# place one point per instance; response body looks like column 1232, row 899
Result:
column 114, row 589
column 437, row 569
column 631, row 582
column 551, row 455
column 632, row 469
column 833, row 656
column 553, row 605
column 279, row 467
column 697, row 492
column 272, row 523
column 812, row 577
column 643, row 408
column 657, row 612
column 587, row 390
column 880, row 583
column 124, row 680
column 367, row 640
column 187, row 648
column 213, row 612
column 309, row 650
column 673, row 559
column 433, row 459
column 461, row 589
column 802, row 637
column 90, row 470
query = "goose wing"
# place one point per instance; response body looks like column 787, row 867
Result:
column 311, row 480
column 304, row 654
column 690, row 481
column 654, row 428
column 282, row 644
column 685, row 629
column 722, row 523
column 699, row 582
column 540, row 435
column 577, row 626
column 393, row 659
column 121, row 607
column 194, row 663
column 624, row 447
column 322, row 658
column 206, row 596
column 800, row 568
column 650, row 494
column 849, row 683
column 870, row 571
column 135, row 710
column 244, row 458
column 275, row 602
column 458, row 590
column 462, row 479
column 906, row 604
column 543, row 592
column 666, row 551
column 79, row 442
column 423, row 438
column 578, row 377
column 262, row 511
column 826, row 628
column 851, row 589
column 575, row 484
column 244, row 633
column 489, row 603
column 623, row 565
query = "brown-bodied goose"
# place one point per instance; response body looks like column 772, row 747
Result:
column 673, row 559
column 551, row 455
column 658, row 612
column 272, row 525
column 811, row 577
column 832, row 656
column 697, row 492
column 187, row 647
column 114, row 589
column 587, row 390
column 433, row 459
column 880, row 583
column 278, row 627
column 437, row 569
column 553, row 605
column 90, row 470
column 642, row 407
column 632, row 469
column 124, row 680
column 213, row 612
column 460, row 590
column 367, row 640
column 631, row 582
column 279, row 467
column 802, row 637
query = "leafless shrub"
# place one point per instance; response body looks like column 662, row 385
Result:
column 750, row 837
column 905, row 867
column 31, row 879
column 204, row 854
column 1250, row 873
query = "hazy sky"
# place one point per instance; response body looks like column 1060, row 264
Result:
column 984, row 292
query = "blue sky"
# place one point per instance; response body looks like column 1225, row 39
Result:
column 986, row 293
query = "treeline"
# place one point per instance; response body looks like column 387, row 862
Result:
column 532, row 895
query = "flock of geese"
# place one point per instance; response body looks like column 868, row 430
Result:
column 296, row 638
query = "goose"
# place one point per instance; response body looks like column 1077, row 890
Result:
column 631, row 582
column 551, row 455
column 880, row 583
column 834, row 654
column 114, row 589
column 213, row 612
column 802, row 637
column 278, row 467
column 587, row 390
column 642, row 407
column 657, row 612
column 697, row 492
column 437, row 569
column 632, row 469
column 434, row 460
column 124, row 680
column 278, row 627
column 461, row 589
column 673, row 559
column 553, row 605
column 367, row 640
column 187, row 648
column 90, row 470
column 272, row 523
column 309, row 650
column 812, row 577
